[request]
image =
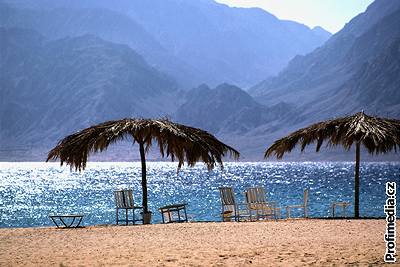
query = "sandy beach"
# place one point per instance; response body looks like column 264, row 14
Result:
column 273, row 243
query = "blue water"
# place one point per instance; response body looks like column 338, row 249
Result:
column 31, row 191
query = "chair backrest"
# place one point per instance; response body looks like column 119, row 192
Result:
column 256, row 195
column 123, row 198
column 227, row 196
column 305, row 197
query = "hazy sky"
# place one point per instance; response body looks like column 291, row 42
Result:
column 330, row 14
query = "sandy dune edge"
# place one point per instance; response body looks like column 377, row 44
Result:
column 282, row 243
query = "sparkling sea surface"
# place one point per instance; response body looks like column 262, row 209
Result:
column 29, row 192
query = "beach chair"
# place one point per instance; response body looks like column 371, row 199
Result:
column 304, row 206
column 230, row 208
column 124, row 201
column 258, row 204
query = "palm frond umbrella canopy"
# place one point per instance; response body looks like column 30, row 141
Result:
column 184, row 143
column 378, row 135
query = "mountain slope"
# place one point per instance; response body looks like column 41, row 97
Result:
column 51, row 88
column 240, row 45
column 357, row 69
column 226, row 110
column 321, row 32
column 213, row 42
column 107, row 24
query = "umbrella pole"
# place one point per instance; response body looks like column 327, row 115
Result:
column 144, row 179
column 357, row 183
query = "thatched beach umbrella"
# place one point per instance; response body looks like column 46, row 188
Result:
column 175, row 140
column 378, row 135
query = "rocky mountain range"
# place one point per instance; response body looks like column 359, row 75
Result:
column 68, row 64
column 194, row 41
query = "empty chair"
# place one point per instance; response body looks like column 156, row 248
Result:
column 257, row 202
column 124, row 201
column 303, row 206
column 230, row 208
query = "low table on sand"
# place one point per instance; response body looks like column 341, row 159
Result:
column 61, row 218
column 167, row 213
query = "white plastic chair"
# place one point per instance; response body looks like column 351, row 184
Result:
column 304, row 206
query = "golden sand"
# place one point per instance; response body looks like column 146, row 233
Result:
column 272, row 243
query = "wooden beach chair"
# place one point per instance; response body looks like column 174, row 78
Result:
column 258, row 204
column 124, row 201
column 303, row 206
column 230, row 208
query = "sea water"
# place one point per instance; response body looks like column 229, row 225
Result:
column 29, row 192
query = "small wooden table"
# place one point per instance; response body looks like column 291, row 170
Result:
column 73, row 217
column 168, row 212
column 344, row 205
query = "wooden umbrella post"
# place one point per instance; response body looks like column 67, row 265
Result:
column 146, row 213
column 357, row 183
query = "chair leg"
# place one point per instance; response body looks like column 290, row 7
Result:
column 126, row 216
column 186, row 219
column 133, row 216
column 117, row 215
column 288, row 212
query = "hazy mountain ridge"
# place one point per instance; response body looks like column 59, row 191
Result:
column 246, row 43
column 226, row 109
column 109, row 25
column 199, row 41
column 330, row 77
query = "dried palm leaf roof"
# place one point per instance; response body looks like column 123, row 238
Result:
column 378, row 135
column 175, row 140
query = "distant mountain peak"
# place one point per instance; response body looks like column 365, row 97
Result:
column 318, row 30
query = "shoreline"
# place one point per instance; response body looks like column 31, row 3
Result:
column 225, row 161
column 205, row 222
column 295, row 242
